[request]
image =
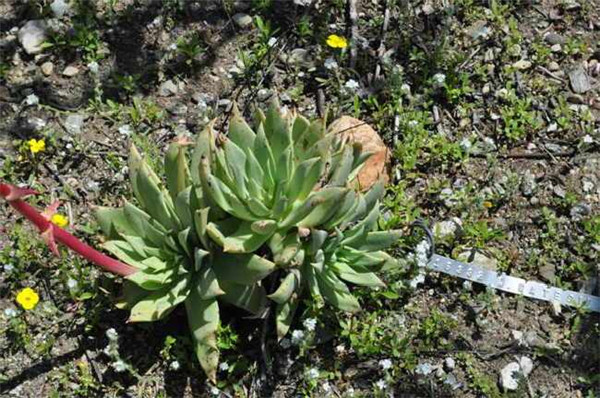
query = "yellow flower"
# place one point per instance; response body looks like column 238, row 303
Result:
column 487, row 204
column 28, row 298
column 335, row 41
column 59, row 220
column 36, row 146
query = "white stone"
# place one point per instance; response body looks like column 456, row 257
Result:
column 47, row 68
column 74, row 122
column 32, row 35
column 59, row 8
column 509, row 376
column 526, row 365
column 242, row 20
column 70, row 71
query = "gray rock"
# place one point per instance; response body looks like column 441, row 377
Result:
column 528, row 184
column 547, row 272
column 35, row 123
column 576, row 99
column 479, row 29
column 74, row 122
column 556, row 48
column 178, row 109
column 474, row 257
column 526, row 365
column 168, row 88
column 449, row 363
column 32, row 35
column 522, row 64
column 59, row 8
column 70, row 71
column 553, row 66
column 554, row 38
column 580, row 211
column 580, row 82
column 242, row 20
column 447, row 229
column 559, row 191
column 509, row 376
column 301, row 57
column 263, row 94
column 47, row 68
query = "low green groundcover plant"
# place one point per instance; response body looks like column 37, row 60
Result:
column 278, row 197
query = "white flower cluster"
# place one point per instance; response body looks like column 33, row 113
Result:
column 297, row 337
column 310, row 324
column 385, row 364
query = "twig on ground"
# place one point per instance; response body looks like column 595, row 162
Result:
column 535, row 155
column 381, row 49
column 352, row 18
column 550, row 74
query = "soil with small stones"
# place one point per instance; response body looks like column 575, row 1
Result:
column 539, row 191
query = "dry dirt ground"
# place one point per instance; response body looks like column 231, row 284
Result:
column 492, row 112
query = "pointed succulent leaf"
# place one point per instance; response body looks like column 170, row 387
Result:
column 203, row 319
column 113, row 222
column 236, row 162
column 176, row 169
column 284, row 247
column 200, row 224
column 251, row 298
column 284, row 314
column 205, row 143
column 378, row 240
column 299, row 127
column 343, row 168
column 144, row 225
column 239, row 131
column 131, row 294
column 236, row 240
column 158, row 304
column 264, row 227
column 285, row 290
column 336, row 292
column 305, row 178
column 264, row 155
column 323, row 210
column 349, row 274
column 183, row 208
column 245, row 269
column 151, row 281
column 277, row 128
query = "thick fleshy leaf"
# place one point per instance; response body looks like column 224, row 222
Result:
column 151, row 281
column 245, row 269
column 299, row 127
column 277, row 128
column 176, row 169
column 143, row 225
column 343, row 168
column 158, row 304
column 336, row 292
column 113, row 222
column 284, row 314
column 183, row 209
column 251, row 298
column 305, row 178
column 200, row 224
column 203, row 319
column 284, row 247
column 315, row 210
column 378, row 240
column 239, row 131
column 131, row 294
column 349, row 274
column 205, row 143
column 264, row 155
column 236, row 240
column 236, row 162
column 124, row 252
column 286, row 288
column 264, row 227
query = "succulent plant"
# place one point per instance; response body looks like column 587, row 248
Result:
column 276, row 200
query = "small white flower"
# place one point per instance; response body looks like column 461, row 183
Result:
column 465, row 144
column 412, row 124
column 330, row 64
column 272, row 41
column 467, row 285
column 32, row 99
column 8, row 267
column 340, row 349
column 302, row 3
column 112, row 334
column 351, row 85
column 312, row 373
column 439, row 79
column 326, row 387
column 215, row 391
column 93, row 67
column 588, row 139
column 310, row 324
column 125, row 129
column 423, row 369
column 285, row 344
column 381, row 384
column 421, row 252
column 10, row 312
column 405, row 89
column 119, row 366
column 350, row 391
column 173, row 46
column 417, row 280
column 385, row 364
column 223, row 366
column 71, row 283
column 297, row 337
column 174, row 365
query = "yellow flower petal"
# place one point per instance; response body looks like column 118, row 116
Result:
column 36, row 146
column 335, row 41
column 28, row 298
column 59, row 220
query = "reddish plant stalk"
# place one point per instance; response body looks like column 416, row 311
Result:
column 14, row 194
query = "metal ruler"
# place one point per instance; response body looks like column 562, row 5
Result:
column 511, row 284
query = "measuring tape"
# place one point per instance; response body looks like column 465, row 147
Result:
column 503, row 282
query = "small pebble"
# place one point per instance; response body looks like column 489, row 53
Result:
column 70, row 71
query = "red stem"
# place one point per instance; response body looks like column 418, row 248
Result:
column 108, row 263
